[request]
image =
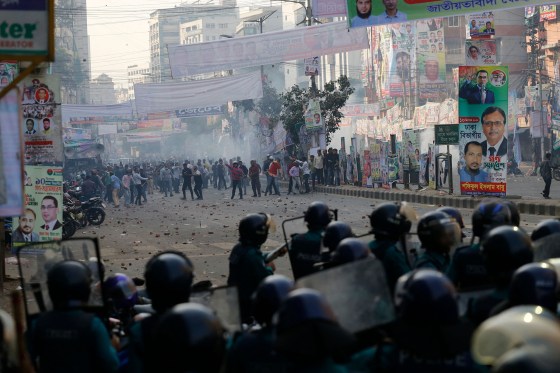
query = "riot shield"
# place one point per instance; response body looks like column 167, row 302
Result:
column 35, row 260
column 357, row 293
column 225, row 302
column 547, row 247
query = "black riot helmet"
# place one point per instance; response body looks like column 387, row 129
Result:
column 514, row 210
column 438, row 231
column 190, row 339
column 488, row 215
column 169, row 276
column 391, row 220
column 534, row 284
column 303, row 305
column 335, row 232
column 69, row 284
column 349, row 250
column 269, row 296
column 454, row 213
column 317, row 215
column 505, row 249
column 545, row 228
column 426, row 296
column 253, row 229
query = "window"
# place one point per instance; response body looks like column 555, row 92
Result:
column 453, row 21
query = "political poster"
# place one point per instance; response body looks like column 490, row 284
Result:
column 481, row 25
column 403, row 80
column 312, row 66
column 42, row 121
column 313, row 117
column 430, row 52
column 364, row 13
column 11, row 165
column 8, row 71
column 42, row 214
column 483, row 130
column 480, row 52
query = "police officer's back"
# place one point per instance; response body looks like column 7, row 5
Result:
column 68, row 339
column 305, row 249
column 390, row 222
column 247, row 264
column 439, row 233
column 169, row 276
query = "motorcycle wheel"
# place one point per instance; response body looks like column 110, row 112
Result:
column 556, row 174
column 83, row 221
column 68, row 227
column 95, row 215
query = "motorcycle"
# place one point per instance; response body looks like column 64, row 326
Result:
column 90, row 211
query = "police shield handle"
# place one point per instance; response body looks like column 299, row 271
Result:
column 25, row 365
column 276, row 253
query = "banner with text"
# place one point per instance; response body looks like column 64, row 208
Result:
column 483, row 131
column 265, row 49
column 377, row 13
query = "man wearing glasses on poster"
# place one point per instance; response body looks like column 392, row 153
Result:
column 493, row 121
column 49, row 212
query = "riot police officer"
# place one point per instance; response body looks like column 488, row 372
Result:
column 254, row 351
column 247, row 263
column 390, row 223
column 68, row 339
column 504, row 249
column 467, row 269
column 169, row 276
column 190, row 339
column 429, row 335
column 439, row 233
column 305, row 249
column 544, row 228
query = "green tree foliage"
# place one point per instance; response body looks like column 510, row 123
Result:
column 332, row 98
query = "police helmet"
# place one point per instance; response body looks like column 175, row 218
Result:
column 505, row 249
column 454, row 213
column 253, row 229
column 269, row 296
column 534, row 359
column 69, row 283
column 190, row 339
column 512, row 329
column 350, row 250
column 169, row 276
column 514, row 211
column 390, row 220
column 303, row 305
column 534, row 283
column 317, row 215
column 426, row 296
column 488, row 215
column 335, row 232
column 438, row 231
column 121, row 290
column 545, row 228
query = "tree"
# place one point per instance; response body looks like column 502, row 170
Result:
column 332, row 98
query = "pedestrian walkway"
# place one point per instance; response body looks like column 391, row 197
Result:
column 525, row 191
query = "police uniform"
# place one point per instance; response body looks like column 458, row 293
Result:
column 433, row 260
column 305, row 251
column 393, row 259
column 72, row 341
column 247, row 268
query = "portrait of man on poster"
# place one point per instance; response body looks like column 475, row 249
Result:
column 493, row 121
column 473, row 162
column 477, row 92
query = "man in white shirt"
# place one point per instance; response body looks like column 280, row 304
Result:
column 49, row 212
column 24, row 232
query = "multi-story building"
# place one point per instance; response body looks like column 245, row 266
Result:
column 103, row 91
column 137, row 74
column 72, row 59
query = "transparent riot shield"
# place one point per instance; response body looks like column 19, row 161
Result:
column 225, row 302
column 357, row 292
column 547, row 247
column 35, row 260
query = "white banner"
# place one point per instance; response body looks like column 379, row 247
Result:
column 106, row 129
column 81, row 111
column 160, row 97
column 265, row 49
column 328, row 8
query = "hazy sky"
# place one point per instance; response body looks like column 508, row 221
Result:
column 118, row 32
